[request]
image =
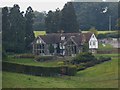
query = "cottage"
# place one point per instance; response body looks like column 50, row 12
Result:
column 68, row 44
column 93, row 43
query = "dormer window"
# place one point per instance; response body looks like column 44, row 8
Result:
column 63, row 38
column 38, row 41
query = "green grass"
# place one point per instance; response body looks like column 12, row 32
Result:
column 24, row 61
column 103, row 75
column 106, row 47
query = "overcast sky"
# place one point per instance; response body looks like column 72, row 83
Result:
column 41, row 5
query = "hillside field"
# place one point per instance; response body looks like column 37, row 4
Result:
column 101, row 32
column 103, row 75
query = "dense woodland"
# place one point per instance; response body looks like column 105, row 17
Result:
column 17, row 29
column 88, row 14
column 18, row 26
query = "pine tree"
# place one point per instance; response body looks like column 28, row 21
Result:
column 5, row 27
column 29, row 35
column 17, row 28
column 68, row 19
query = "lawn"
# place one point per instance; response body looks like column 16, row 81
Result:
column 103, row 75
column 26, row 61
column 106, row 47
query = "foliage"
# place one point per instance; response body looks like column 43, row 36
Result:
column 51, row 48
column 103, row 75
column 29, row 35
column 52, row 21
column 101, row 36
column 60, row 63
column 17, row 29
column 83, row 58
column 68, row 18
column 39, row 20
column 92, row 14
column 13, row 29
column 93, row 30
column 85, row 47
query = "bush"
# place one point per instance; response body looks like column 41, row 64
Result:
column 83, row 58
column 44, row 58
column 103, row 59
column 60, row 63
column 24, row 56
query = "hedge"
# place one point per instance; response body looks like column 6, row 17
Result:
column 38, row 70
column 101, row 59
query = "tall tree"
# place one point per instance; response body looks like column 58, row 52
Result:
column 52, row 21
column 49, row 21
column 39, row 20
column 68, row 19
column 17, row 28
column 5, row 27
column 29, row 35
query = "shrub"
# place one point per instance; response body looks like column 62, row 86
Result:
column 102, row 59
column 83, row 58
column 60, row 63
column 24, row 56
column 44, row 58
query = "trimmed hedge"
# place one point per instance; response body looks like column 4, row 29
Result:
column 39, row 71
column 101, row 59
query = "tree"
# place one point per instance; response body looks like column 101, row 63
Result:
column 5, row 28
column 17, row 28
column 29, row 35
column 39, row 20
column 93, row 30
column 56, row 20
column 68, row 19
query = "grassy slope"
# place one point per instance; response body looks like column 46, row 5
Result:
column 101, row 76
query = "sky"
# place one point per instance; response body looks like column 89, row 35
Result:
column 41, row 5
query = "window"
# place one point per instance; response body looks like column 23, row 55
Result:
column 93, row 43
column 90, row 43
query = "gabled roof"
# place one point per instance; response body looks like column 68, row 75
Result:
column 53, row 38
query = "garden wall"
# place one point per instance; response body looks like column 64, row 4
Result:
column 37, row 70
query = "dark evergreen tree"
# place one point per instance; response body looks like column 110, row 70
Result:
column 39, row 20
column 5, row 28
column 17, row 28
column 29, row 35
column 68, row 19
column 56, row 20
column 49, row 21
